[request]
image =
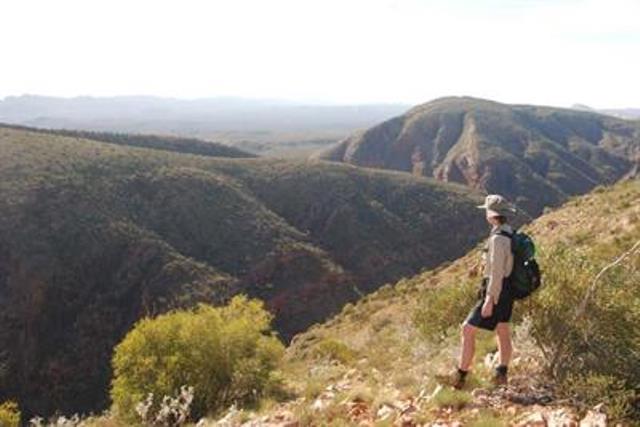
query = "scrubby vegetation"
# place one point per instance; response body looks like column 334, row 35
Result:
column 94, row 236
column 591, row 342
column 227, row 355
column 584, row 318
column 9, row 414
column 156, row 142
column 407, row 334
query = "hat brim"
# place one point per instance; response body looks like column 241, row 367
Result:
column 491, row 212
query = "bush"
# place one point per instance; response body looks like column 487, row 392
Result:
column 335, row 350
column 594, row 357
column 606, row 339
column 589, row 390
column 9, row 414
column 227, row 354
column 450, row 398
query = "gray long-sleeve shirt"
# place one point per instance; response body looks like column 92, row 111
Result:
column 498, row 261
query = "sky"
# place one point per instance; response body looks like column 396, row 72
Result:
column 552, row 52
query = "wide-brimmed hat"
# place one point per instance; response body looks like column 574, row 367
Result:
column 496, row 205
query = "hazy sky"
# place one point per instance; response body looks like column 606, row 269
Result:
column 556, row 52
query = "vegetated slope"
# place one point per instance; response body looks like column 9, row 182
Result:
column 372, row 362
column 93, row 236
column 166, row 143
column 536, row 156
column 299, row 145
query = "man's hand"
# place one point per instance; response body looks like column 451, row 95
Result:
column 487, row 307
column 474, row 271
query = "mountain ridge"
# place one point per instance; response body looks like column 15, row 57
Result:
column 260, row 125
column 536, row 156
column 158, row 142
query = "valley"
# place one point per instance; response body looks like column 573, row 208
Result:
column 95, row 235
column 100, row 229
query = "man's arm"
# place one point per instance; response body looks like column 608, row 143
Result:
column 496, row 260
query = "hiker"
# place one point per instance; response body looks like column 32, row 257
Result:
column 495, row 302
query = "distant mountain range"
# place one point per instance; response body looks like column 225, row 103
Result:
column 96, row 234
column 536, row 156
column 623, row 113
column 147, row 113
column 259, row 125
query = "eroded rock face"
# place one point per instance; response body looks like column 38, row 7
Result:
column 536, row 156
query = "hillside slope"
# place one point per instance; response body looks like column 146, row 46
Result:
column 537, row 156
column 373, row 363
column 157, row 142
column 93, row 236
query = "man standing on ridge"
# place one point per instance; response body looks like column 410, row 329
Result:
column 495, row 304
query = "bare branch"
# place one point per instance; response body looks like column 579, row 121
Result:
column 588, row 295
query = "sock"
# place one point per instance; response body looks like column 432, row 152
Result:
column 501, row 370
column 463, row 374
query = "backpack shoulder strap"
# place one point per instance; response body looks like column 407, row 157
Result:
column 507, row 234
column 504, row 233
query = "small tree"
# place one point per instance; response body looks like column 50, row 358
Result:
column 9, row 414
column 585, row 321
column 227, row 354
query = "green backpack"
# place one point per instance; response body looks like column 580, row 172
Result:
column 525, row 277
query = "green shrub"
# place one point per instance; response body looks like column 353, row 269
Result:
column 451, row 398
column 606, row 339
column 227, row 354
column 593, row 357
column 336, row 350
column 9, row 414
column 593, row 389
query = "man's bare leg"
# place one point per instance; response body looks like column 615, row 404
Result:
column 468, row 346
column 505, row 348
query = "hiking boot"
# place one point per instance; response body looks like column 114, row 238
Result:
column 500, row 376
column 455, row 379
